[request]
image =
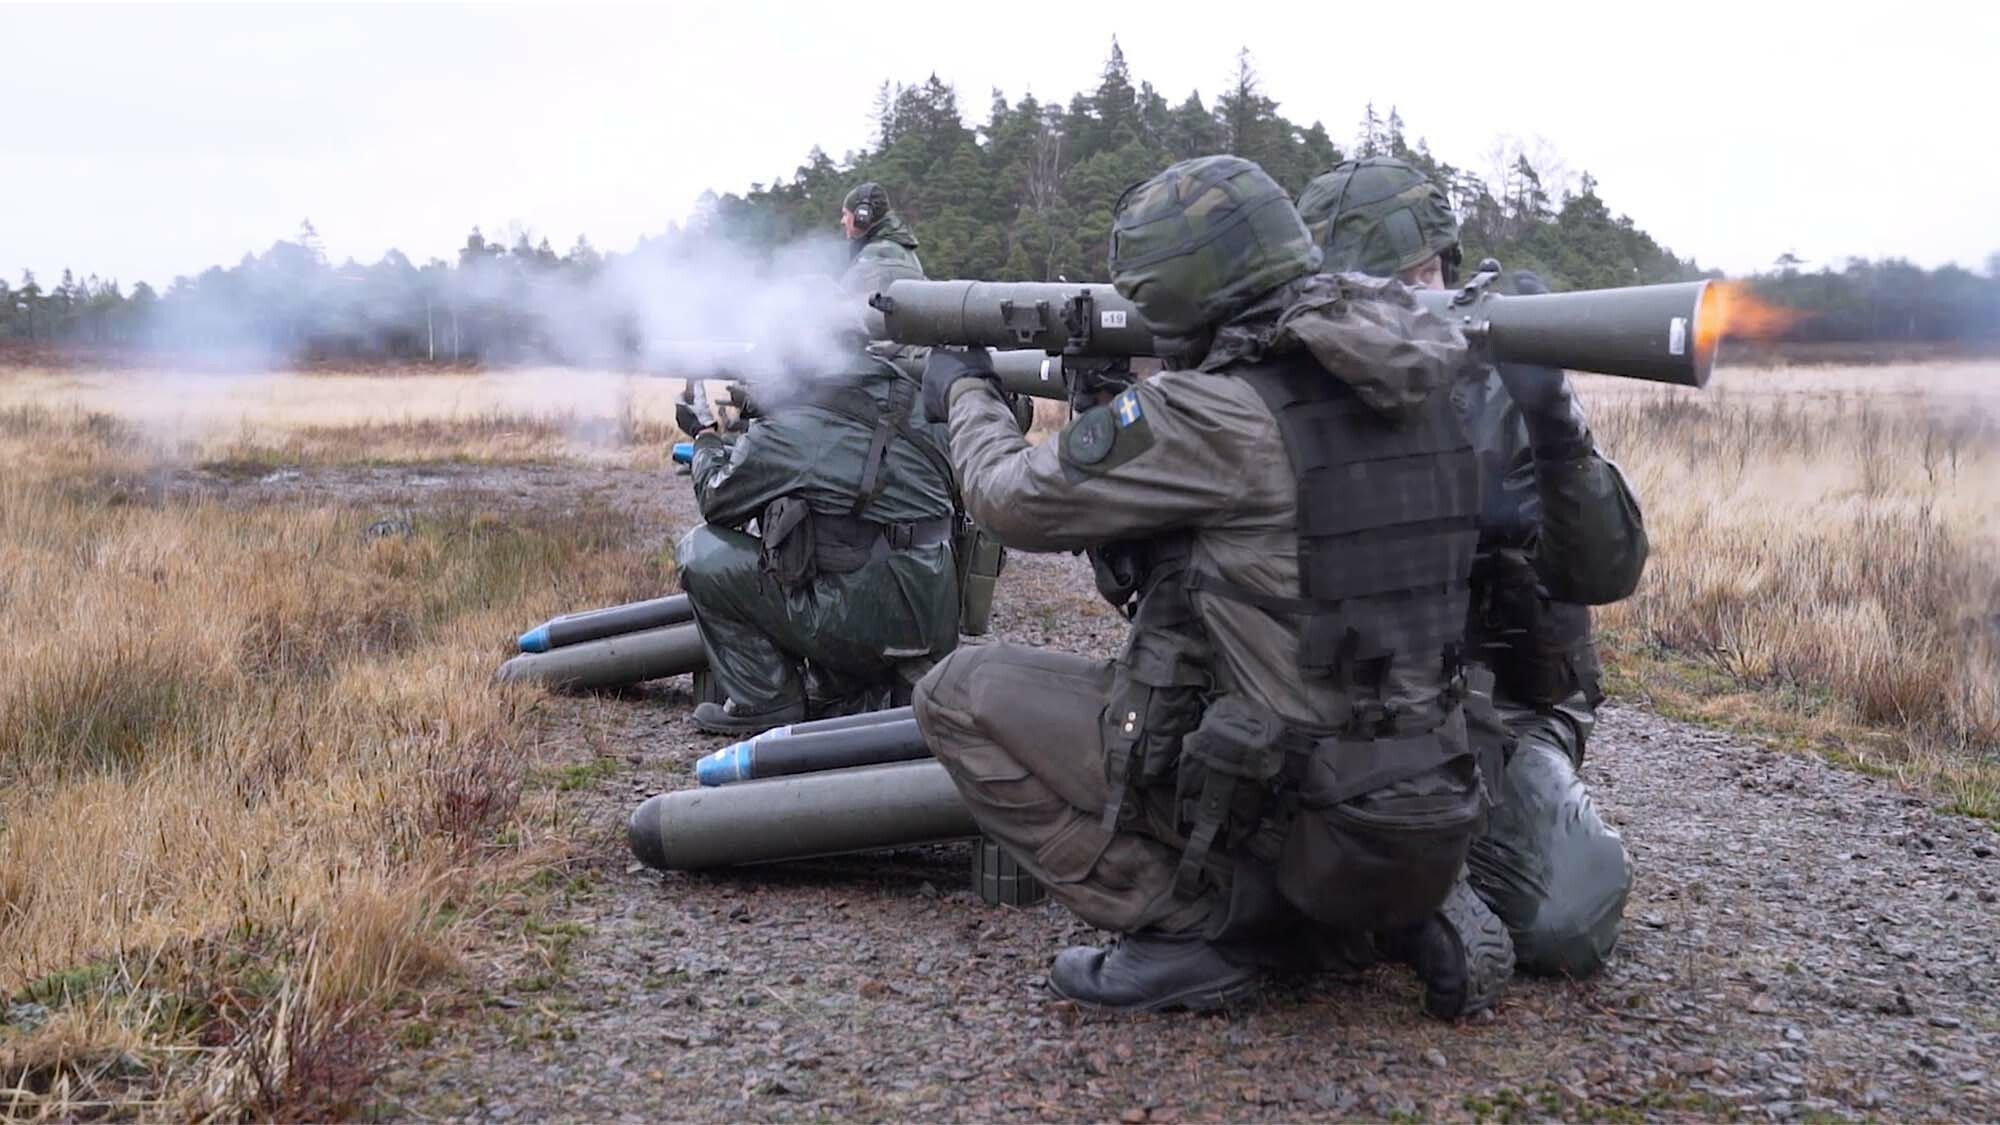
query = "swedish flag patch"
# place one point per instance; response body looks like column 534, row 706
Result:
column 1126, row 408
column 1104, row 437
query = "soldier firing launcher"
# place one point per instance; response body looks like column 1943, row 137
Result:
column 1664, row 333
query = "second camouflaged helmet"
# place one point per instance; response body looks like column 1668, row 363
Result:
column 1201, row 241
column 1380, row 216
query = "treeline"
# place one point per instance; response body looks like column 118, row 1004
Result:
column 289, row 304
column 1028, row 194
column 1891, row 301
column 1024, row 195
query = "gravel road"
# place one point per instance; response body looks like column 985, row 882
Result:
column 1802, row 942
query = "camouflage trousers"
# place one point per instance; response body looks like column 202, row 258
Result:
column 1017, row 729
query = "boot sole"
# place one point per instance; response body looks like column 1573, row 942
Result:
column 1206, row 998
column 1489, row 957
column 757, row 725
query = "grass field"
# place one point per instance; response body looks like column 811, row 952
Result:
column 1826, row 562
column 256, row 786
column 254, row 778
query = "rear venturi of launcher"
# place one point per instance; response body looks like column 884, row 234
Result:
column 1661, row 333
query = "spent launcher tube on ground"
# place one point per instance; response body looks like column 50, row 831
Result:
column 868, row 739
column 1654, row 332
column 596, row 624
column 830, row 812
column 628, row 658
column 851, row 795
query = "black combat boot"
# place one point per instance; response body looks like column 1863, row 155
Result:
column 1151, row 972
column 1462, row 954
column 729, row 718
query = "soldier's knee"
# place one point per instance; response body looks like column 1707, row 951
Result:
column 708, row 555
column 941, row 698
column 1577, row 928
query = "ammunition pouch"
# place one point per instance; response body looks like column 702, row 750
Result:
column 1144, row 724
column 800, row 544
column 980, row 558
column 843, row 544
column 1160, row 683
column 790, row 551
column 1540, row 649
column 1226, row 781
column 1362, row 832
column 1382, row 828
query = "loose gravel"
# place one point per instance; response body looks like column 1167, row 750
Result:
column 1802, row 942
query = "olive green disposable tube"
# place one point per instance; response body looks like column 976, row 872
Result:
column 595, row 624
column 1013, row 315
column 1640, row 332
column 841, row 722
column 1653, row 332
column 629, row 658
column 799, row 816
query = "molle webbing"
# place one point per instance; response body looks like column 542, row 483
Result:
column 1387, row 517
column 843, row 544
column 1387, row 513
column 1161, row 676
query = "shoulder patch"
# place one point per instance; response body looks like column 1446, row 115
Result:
column 1126, row 409
column 1105, row 437
column 1089, row 439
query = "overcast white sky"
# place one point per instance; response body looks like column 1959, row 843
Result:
column 143, row 142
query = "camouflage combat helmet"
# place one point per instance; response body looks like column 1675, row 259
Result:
column 1380, row 216
column 870, row 204
column 1201, row 241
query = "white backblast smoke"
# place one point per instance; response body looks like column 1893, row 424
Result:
column 687, row 306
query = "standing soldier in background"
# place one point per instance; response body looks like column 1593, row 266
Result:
column 848, row 592
column 1278, row 762
column 1559, row 530
column 881, row 245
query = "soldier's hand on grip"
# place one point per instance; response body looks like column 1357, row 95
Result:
column 695, row 415
column 1528, row 282
column 944, row 367
column 1542, row 391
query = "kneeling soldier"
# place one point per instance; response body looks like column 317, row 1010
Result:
column 1277, row 766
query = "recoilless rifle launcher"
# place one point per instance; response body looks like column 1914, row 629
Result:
column 1663, row 333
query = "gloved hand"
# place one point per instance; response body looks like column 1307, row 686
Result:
column 694, row 415
column 1536, row 390
column 944, row 367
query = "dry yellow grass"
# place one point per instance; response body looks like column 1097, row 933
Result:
column 252, row 770
column 251, row 767
column 1826, row 560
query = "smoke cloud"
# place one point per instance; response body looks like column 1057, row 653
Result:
column 681, row 304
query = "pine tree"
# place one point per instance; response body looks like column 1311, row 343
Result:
column 1115, row 104
column 1192, row 130
column 1368, row 142
column 29, row 301
column 309, row 240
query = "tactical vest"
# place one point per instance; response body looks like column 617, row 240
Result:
column 1387, row 527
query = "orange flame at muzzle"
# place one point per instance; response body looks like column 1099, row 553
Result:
column 1729, row 310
